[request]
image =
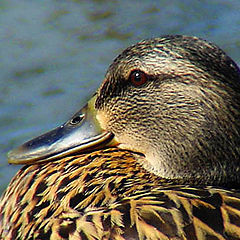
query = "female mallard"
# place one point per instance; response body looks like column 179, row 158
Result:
column 153, row 155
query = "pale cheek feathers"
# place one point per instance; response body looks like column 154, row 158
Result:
column 126, row 141
column 103, row 119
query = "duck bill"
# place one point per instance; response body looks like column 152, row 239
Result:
column 82, row 133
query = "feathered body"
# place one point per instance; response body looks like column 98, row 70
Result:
column 108, row 195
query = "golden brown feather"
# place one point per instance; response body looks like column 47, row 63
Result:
column 106, row 194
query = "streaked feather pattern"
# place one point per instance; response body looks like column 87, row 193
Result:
column 107, row 194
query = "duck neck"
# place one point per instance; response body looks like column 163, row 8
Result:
column 194, row 171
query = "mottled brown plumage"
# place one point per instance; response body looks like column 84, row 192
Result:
column 108, row 195
column 166, row 126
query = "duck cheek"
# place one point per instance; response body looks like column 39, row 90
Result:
column 103, row 119
column 130, row 142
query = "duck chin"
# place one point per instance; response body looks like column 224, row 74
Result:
column 153, row 160
column 158, row 164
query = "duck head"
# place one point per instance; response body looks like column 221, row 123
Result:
column 175, row 100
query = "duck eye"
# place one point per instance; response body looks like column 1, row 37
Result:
column 138, row 78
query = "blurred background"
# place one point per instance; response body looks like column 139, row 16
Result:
column 54, row 53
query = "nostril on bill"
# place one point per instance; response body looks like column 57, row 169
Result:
column 77, row 119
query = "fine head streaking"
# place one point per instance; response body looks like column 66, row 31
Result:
column 175, row 100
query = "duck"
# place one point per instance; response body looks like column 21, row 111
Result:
column 154, row 154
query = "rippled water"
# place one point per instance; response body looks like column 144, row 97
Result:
column 54, row 53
